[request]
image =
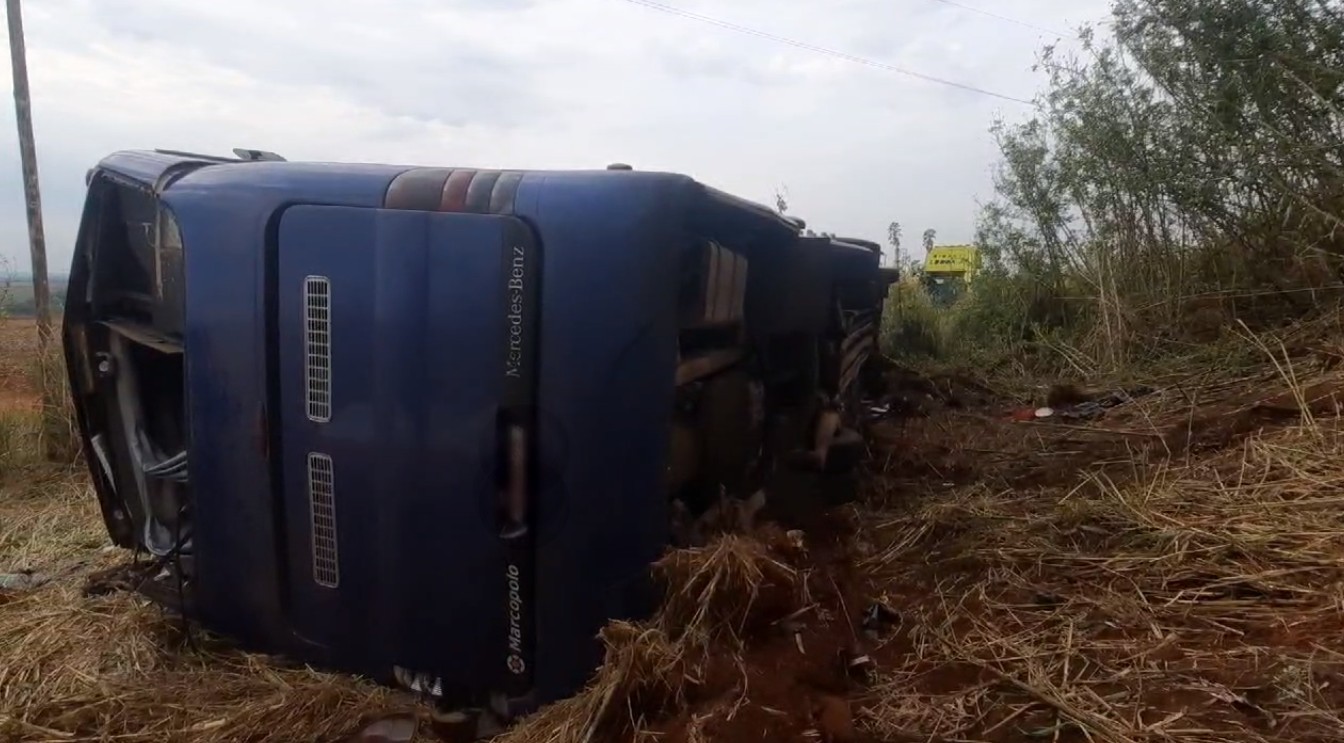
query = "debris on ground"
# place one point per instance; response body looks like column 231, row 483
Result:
column 1066, row 402
column 22, row 581
column 880, row 618
column 393, row 729
column 120, row 578
column 912, row 394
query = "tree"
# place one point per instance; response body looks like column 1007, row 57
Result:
column 1192, row 153
column 894, row 238
column 930, row 235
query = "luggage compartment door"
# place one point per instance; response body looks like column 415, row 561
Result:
column 404, row 386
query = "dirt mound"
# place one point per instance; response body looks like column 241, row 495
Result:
column 1215, row 427
column 645, row 675
column 1006, row 444
column 753, row 639
column 909, row 392
column 735, row 585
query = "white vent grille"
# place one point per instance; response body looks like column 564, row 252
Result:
column 317, row 346
column 322, row 502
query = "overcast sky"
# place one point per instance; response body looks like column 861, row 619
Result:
column 543, row 84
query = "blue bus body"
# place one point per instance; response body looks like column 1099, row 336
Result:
column 421, row 423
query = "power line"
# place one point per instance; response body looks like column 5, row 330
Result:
column 989, row 14
column 653, row 5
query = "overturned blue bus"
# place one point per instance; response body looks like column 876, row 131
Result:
column 427, row 424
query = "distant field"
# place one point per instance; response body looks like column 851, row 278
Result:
column 16, row 296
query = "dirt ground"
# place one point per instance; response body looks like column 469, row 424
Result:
column 1172, row 570
column 18, row 347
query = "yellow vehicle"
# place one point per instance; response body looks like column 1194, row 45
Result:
column 948, row 270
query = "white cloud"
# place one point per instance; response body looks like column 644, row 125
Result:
column 541, row 84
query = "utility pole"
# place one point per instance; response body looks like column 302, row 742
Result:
column 57, row 426
column 37, row 243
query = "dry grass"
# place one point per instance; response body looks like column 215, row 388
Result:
column 58, row 434
column 644, row 676
column 48, row 520
column 1173, row 572
column 77, row 667
column 17, row 441
column 715, row 592
column 36, row 417
column 139, row 681
column 1191, row 597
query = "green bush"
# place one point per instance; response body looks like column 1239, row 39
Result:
column 1178, row 178
column 913, row 327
